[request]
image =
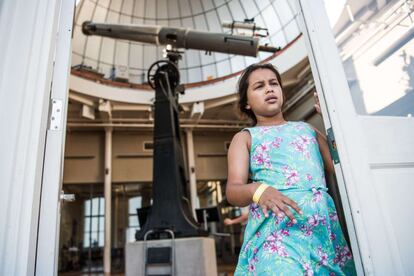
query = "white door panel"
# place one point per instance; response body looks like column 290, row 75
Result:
column 390, row 149
column 376, row 169
column 49, row 220
column 389, row 140
column 394, row 189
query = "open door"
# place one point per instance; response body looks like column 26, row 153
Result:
column 375, row 169
column 52, row 175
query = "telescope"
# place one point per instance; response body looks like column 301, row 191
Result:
column 242, row 25
column 170, row 209
column 180, row 38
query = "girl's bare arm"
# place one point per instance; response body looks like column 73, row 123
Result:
column 240, row 219
column 324, row 149
column 238, row 193
column 322, row 141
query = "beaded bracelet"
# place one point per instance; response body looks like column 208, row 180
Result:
column 258, row 193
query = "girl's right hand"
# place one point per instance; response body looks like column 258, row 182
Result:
column 278, row 203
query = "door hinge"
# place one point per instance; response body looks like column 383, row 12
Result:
column 55, row 119
column 332, row 146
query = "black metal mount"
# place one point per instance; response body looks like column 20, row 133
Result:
column 170, row 209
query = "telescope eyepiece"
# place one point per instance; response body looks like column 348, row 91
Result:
column 88, row 28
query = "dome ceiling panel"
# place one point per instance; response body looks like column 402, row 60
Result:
column 209, row 72
column 207, row 5
column 279, row 37
column 283, row 10
column 151, row 10
column 138, row 12
column 250, row 7
column 131, row 60
column 224, row 13
column 237, row 10
column 184, row 7
column 100, row 13
column 106, row 51
column 274, row 24
column 127, row 6
column 115, row 5
column 291, row 28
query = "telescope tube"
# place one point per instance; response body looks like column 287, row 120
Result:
column 179, row 38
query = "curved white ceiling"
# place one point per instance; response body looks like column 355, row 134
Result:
column 131, row 60
column 290, row 56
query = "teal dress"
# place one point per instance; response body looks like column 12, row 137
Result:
column 287, row 158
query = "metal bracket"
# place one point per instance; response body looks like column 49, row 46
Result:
column 55, row 120
column 332, row 146
column 67, row 197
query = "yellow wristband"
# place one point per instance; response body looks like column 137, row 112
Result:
column 258, row 193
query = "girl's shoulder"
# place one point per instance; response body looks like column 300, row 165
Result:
column 300, row 123
column 242, row 137
column 265, row 132
column 302, row 127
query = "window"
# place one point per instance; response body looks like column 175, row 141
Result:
column 94, row 222
column 133, row 225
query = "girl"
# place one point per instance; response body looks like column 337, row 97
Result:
column 293, row 227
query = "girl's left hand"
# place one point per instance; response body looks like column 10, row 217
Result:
column 317, row 104
column 228, row 221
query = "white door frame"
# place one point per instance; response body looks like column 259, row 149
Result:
column 376, row 169
column 49, row 215
column 331, row 85
column 27, row 56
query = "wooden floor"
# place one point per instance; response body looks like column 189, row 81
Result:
column 230, row 273
column 223, row 270
column 89, row 274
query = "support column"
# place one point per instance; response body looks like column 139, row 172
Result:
column 115, row 220
column 107, row 189
column 195, row 203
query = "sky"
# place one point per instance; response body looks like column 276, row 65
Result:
column 334, row 8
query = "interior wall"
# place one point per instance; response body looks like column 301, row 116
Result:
column 130, row 161
column 84, row 156
column 211, row 155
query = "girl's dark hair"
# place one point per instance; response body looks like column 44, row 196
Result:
column 243, row 84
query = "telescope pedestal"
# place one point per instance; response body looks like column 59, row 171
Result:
column 193, row 256
column 170, row 209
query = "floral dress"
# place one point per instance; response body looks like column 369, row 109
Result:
column 287, row 158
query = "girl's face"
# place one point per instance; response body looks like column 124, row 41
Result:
column 264, row 94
